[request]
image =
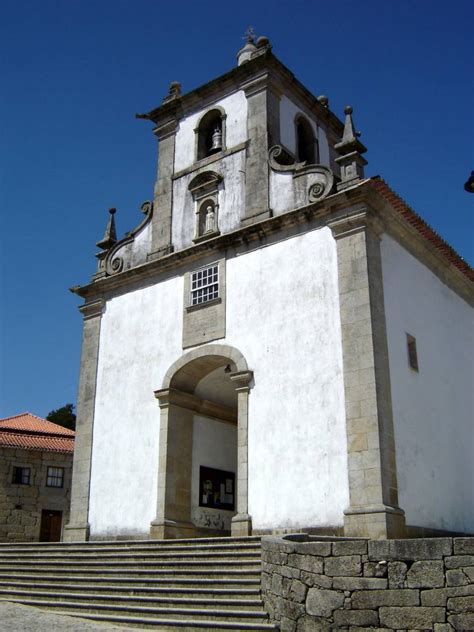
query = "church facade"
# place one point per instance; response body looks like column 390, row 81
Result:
column 282, row 344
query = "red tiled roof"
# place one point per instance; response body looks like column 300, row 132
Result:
column 31, row 423
column 35, row 442
column 421, row 226
column 30, row 432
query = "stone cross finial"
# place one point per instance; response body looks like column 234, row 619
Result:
column 249, row 35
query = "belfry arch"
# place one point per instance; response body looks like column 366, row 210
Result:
column 205, row 388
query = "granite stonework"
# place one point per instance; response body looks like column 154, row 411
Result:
column 21, row 505
column 359, row 584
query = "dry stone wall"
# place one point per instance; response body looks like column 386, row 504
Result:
column 339, row 584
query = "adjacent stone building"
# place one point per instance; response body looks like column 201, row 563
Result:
column 35, row 478
column 282, row 343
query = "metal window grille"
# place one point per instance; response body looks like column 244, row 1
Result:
column 21, row 476
column 205, row 284
column 55, row 477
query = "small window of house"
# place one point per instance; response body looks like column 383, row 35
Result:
column 205, row 284
column 210, row 134
column 21, row 476
column 306, row 143
column 55, row 477
column 412, row 353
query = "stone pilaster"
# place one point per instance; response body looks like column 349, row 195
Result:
column 262, row 132
column 78, row 527
column 163, row 198
column 173, row 514
column 242, row 521
column 373, row 510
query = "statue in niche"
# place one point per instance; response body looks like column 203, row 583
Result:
column 210, row 221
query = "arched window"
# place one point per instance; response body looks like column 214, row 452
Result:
column 210, row 134
column 307, row 149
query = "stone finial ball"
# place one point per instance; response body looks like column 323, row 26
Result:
column 323, row 99
column 112, row 211
column 262, row 41
column 348, row 109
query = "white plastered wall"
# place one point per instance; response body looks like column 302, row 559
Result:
column 231, row 199
column 235, row 107
column 282, row 314
column 432, row 409
column 214, row 445
column 132, row 363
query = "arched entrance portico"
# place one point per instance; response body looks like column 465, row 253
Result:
column 210, row 383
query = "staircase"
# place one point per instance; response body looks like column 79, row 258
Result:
column 198, row 584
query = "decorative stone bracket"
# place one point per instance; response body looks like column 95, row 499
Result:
column 312, row 183
column 119, row 257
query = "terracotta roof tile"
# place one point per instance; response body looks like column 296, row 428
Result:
column 35, row 442
column 29, row 432
column 31, row 423
column 421, row 226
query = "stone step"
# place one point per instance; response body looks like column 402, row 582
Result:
column 227, row 541
column 133, row 583
column 170, row 625
column 230, row 555
column 93, row 548
column 127, row 589
column 222, row 603
column 165, row 612
column 205, row 563
column 145, row 574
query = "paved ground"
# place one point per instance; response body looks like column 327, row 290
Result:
column 17, row 618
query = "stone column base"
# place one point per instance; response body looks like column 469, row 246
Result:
column 377, row 522
column 172, row 530
column 241, row 525
column 76, row 532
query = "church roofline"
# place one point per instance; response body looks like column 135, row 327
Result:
column 394, row 216
column 238, row 78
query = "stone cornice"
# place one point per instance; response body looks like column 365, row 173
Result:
column 173, row 397
column 341, row 211
column 264, row 69
column 92, row 309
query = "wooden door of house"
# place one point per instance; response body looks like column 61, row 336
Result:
column 50, row 530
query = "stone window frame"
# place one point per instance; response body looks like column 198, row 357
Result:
column 198, row 131
column 210, row 270
column 189, row 307
column 204, row 188
column 55, row 477
column 15, row 468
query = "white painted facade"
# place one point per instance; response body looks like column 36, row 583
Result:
column 285, row 323
column 432, row 409
column 235, row 108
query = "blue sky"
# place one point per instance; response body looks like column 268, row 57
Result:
column 74, row 73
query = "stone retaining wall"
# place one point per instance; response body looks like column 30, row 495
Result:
column 341, row 584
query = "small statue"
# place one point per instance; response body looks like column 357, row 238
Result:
column 210, row 223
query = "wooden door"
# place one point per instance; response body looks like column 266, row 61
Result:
column 50, row 530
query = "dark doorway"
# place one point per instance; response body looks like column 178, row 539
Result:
column 50, row 525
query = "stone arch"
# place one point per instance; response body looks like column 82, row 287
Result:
column 208, row 123
column 224, row 352
column 307, row 147
column 180, row 400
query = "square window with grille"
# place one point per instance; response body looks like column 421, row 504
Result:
column 55, row 477
column 205, row 284
column 21, row 476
